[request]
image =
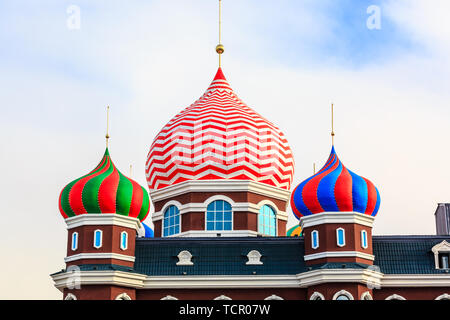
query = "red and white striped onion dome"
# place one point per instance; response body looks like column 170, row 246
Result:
column 219, row 137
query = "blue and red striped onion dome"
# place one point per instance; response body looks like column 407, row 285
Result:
column 335, row 189
column 104, row 190
column 219, row 137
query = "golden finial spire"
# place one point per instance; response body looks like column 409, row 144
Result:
column 131, row 170
column 107, row 126
column 314, row 167
column 220, row 48
column 332, row 124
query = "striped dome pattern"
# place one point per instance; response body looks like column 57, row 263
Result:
column 219, row 137
column 104, row 190
column 335, row 189
column 295, row 231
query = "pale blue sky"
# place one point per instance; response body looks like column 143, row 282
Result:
column 286, row 59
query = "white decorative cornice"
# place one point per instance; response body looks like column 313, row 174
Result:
column 416, row 280
column 336, row 218
column 219, row 186
column 339, row 254
column 103, row 255
column 368, row 277
column 223, row 233
column 103, row 219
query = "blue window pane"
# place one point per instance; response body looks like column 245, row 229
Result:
column 210, row 216
column 227, row 206
column 219, row 225
column 227, row 216
column 210, row 226
column 97, row 238
column 219, row 216
column 177, row 229
column 219, row 205
column 227, row 226
column 341, row 237
column 171, row 221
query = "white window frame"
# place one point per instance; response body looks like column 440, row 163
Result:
column 312, row 239
column 337, row 237
column 276, row 219
column 343, row 293
column 222, row 297
column 274, row 297
column 101, row 239
column 395, row 297
column 74, row 245
column 123, row 296
column 444, row 296
column 364, row 237
column 126, row 240
column 366, row 296
column 162, row 221
column 169, row 298
column 211, row 200
column 70, row 296
column 316, row 295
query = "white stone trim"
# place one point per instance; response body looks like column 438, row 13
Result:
column 339, row 254
column 443, row 246
column 218, row 197
column 416, row 280
column 280, row 214
column 366, row 296
column 184, row 258
column 70, row 296
column 273, row 297
column 101, row 238
column 168, row 297
column 336, row 217
column 444, row 296
column 222, row 297
column 254, row 258
column 101, row 255
column 222, row 185
column 316, row 295
column 343, row 237
column 395, row 297
column 201, row 207
column 213, row 233
column 363, row 276
column 343, row 293
column 123, row 296
column 103, row 219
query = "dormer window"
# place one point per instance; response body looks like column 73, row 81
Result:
column 441, row 255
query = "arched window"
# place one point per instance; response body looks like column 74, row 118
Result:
column 74, row 241
column 340, row 237
column 222, row 297
column 98, row 238
column 124, row 240
column 343, row 295
column 366, row 296
column 267, row 221
column 70, row 296
column 444, row 296
column 171, row 224
column 123, row 296
column 219, row 216
column 314, row 239
column 317, row 296
column 395, row 297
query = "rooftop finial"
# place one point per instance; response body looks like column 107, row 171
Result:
column 220, row 48
column 314, row 167
column 332, row 124
column 107, row 126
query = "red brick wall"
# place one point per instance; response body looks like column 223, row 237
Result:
column 99, row 292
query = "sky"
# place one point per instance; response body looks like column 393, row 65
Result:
column 288, row 60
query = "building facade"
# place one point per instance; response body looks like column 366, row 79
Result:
column 220, row 176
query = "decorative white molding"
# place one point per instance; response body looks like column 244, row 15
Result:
column 364, row 276
column 102, row 220
column 366, row 296
column 214, row 233
column 274, row 297
column 254, row 258
column 201, row 207
column 219, row 186
column 184, row 258
column 444, row 296
column 98, row 246
column 101, row 255
column 337, row 237
column 343, row 293
column 339, row 254
column 222, row 297
column 169, row 298
column 395, row 297
column 123, row 296
column 336, row 217
column 443, row 246
column 317, row 296
column 70, row 296
column 416, row 280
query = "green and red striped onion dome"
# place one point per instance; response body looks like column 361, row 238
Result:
column 104, row 190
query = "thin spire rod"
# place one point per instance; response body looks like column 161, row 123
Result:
column 131, row 170
column 332, row 124
column 107, row 126
column 220, row 48
column 314, row 167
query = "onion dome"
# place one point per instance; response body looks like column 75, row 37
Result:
column 104, row 190
column 295, row 231
column 219, row 137
column 148, row 231
column 335, row 189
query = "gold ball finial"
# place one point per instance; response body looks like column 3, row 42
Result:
column 220, row 48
